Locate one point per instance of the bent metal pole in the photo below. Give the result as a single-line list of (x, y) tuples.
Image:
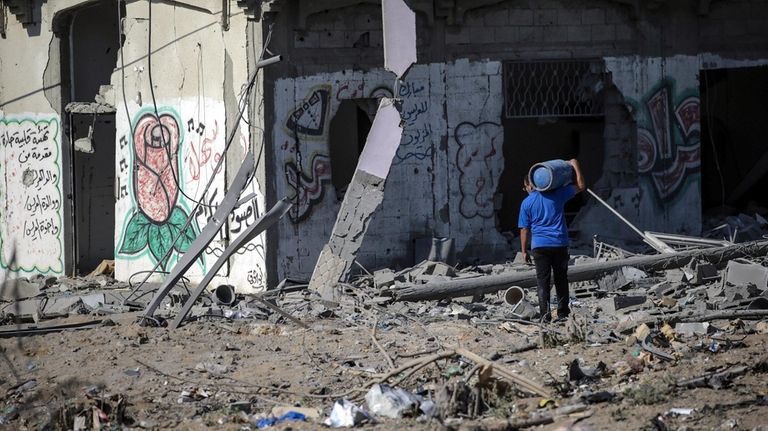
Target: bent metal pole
[(493, 283)]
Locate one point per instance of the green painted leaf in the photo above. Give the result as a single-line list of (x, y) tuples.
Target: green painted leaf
[(176, 221), (136, 234), (160, 237)]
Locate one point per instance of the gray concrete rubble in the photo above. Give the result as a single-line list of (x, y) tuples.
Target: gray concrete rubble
[(627, 329)]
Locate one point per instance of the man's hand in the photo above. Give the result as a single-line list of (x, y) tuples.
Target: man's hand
[(526, 257), (580, 184)]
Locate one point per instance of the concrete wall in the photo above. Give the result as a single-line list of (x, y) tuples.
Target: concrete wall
[(32, 204), (444, 184), (446, 174), (443, 178), (198, 73)]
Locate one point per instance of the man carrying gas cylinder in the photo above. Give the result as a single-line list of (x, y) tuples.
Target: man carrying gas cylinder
[(542, 219)]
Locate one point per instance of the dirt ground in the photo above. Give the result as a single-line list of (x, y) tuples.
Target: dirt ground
[(233, 371)]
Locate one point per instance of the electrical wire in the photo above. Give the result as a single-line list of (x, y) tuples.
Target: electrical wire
[(167, 147), (121, 29), (711, 134), (241, 108)]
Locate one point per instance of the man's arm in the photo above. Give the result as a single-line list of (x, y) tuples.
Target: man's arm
[(525, 233), (580, 185)]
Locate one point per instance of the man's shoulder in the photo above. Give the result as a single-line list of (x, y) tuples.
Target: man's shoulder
[(532, 196)]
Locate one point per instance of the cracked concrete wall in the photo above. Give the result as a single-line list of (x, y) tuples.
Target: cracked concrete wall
[(33, 215), (452, 125), (199, 73), (430, 188)]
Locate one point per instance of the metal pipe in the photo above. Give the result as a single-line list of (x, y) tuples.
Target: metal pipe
[(267, 62), (72, 55), (657, 244)]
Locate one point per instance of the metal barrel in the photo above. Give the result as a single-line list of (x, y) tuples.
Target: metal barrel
[(550, 175)]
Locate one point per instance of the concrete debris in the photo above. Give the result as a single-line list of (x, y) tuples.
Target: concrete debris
[(19, 288), (384, 278), (691, 329), (611, 305), (741, 273), (630, 326), (736, 228)]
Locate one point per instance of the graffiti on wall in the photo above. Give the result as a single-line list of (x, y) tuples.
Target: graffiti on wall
[(668, 137), (200, 153), (416, 144), (307, 121), (309, 189), (31, 219), (478, 144), (157, 217)]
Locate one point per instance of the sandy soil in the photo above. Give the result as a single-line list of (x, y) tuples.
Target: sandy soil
[(136, 375)]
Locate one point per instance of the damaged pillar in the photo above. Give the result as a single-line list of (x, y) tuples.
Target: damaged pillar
[(363, 197), (366, 191)]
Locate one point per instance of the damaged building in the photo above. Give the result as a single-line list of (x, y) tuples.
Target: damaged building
[(115, 115)]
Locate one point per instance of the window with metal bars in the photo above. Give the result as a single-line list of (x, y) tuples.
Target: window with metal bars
[(571, 88)]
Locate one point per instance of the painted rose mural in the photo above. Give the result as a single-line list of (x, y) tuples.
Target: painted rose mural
[(157, 217)]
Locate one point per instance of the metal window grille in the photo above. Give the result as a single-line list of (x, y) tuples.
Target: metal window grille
[(554, 89)]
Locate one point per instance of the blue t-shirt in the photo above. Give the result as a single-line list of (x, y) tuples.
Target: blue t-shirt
[(544, 214)]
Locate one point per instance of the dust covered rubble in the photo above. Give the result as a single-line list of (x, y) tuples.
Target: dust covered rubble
[(634, 344)]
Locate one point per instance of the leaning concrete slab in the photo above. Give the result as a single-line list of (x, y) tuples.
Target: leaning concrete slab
[(399, 36), (364, 196)]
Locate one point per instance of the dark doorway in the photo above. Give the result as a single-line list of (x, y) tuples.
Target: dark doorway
[(552, 110), (348, 131), (528, 141), (734, 156), (91, 49)]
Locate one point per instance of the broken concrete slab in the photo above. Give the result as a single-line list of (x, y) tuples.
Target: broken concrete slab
[(741, 272), (19, 288), (384, 278), (363, 197), (662, 289), (705, 272), (612, 281), (616, 303), (691, 329)]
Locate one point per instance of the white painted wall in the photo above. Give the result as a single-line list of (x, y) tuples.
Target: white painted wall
[(188, 62), (31, 201)]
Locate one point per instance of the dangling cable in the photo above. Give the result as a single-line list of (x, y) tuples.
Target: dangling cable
[(248, 89)]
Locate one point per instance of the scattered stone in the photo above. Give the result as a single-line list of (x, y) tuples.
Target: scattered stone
[(384, 278), (691, 329), (611, 305), (742, 273)]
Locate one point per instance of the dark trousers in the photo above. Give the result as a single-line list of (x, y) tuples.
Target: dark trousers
[(552, 261)]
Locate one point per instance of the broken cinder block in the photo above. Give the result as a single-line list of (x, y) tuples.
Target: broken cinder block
[(611, 305), (383, 278), (612, 281), (705, 272), (740, 272), (691, 329)]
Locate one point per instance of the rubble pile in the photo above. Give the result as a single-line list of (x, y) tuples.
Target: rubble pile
[(661, 346)]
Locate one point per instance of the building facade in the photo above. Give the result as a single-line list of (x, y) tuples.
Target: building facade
[(660, 101)]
